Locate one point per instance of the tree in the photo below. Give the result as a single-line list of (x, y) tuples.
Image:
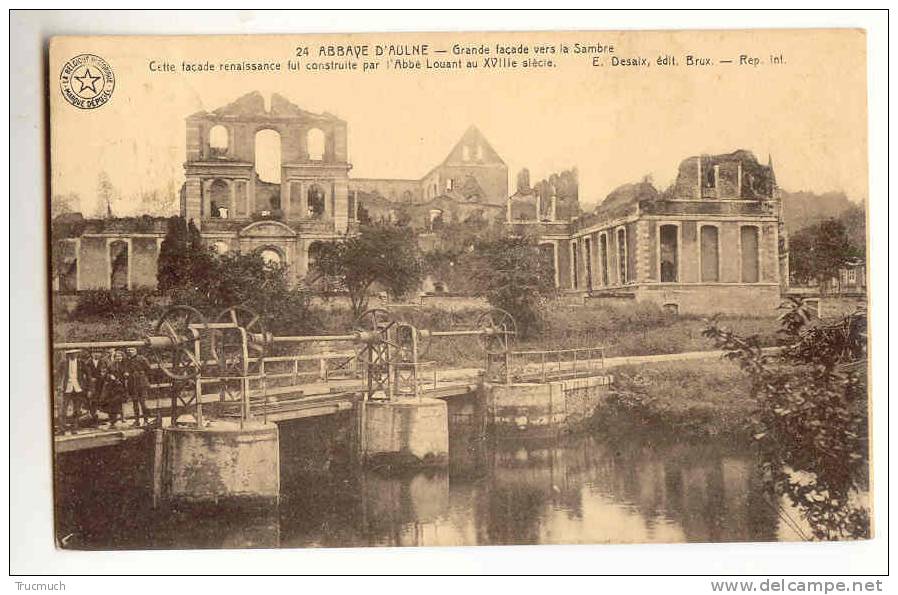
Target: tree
[(105, 195), (523, 181), (819, 251), (810, 419), (514, 275), (64, 204), (172, 270), (381, 253)]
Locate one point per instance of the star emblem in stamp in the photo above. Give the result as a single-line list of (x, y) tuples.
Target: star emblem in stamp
[(87, 81)]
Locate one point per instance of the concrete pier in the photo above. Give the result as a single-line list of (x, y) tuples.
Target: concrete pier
[(542, 409), (220, 464), (405, 433)]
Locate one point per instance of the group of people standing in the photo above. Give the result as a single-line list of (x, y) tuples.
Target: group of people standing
[(101, 382)]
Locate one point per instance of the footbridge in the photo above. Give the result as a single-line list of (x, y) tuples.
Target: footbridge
[(217, 387)]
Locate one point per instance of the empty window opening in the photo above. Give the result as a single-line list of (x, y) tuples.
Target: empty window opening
[(466, 153), (218, 141), (587, 255), (479, 152), (710, 254), (268, 156), (219, 199), (316, 201), (622, 255), (575, 264), (315, 249), (603, 257), (449, 184), (436, 219), (750, 265), (669, 253), (118, 261), (315, 144), (271, 257)]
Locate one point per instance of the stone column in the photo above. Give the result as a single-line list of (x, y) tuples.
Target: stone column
[(405, 432), (221, 464)]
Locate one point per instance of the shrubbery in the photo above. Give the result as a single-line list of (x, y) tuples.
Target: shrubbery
[(113, 303)]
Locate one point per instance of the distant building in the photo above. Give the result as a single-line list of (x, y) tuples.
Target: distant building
[(714, 242), (471, 180)]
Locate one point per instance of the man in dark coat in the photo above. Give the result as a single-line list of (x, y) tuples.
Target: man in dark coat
[(138, 384), (72, 381), (115, 388), (96, 369)]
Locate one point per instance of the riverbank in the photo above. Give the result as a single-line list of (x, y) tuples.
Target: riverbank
[(678, 401)]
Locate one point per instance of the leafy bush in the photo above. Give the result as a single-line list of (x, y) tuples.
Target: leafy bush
[(811, 419), (113, 303)]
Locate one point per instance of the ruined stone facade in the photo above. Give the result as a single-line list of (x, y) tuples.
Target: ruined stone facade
[(714, 242), (280, 209), (267, 179), (472, 179)]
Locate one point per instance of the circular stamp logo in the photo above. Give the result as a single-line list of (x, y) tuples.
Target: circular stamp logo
[(87, 81)]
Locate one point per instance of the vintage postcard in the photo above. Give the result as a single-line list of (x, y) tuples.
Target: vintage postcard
[(445, 289)]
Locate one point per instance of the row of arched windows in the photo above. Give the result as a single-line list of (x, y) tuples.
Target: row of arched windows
[(220, 141)]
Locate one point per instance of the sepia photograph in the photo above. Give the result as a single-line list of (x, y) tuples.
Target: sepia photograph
[(458, 288)]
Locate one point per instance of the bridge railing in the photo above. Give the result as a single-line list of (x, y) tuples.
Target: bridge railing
[(552, 364)]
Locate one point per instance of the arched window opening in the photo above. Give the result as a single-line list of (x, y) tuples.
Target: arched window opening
[(436, 219), (219, 199), (268, 156), (271, 257), (670, 265), (603, 257), (118, 261), (479, 152), (218, 141), (316, 201), (466, 153), (315, 249), (315, 144)]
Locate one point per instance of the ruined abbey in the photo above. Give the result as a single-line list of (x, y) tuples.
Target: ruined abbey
[(713, 241)]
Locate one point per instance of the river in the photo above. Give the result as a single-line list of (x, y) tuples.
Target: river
[(573, 489)]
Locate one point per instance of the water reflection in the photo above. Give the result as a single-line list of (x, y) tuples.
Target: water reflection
[(570, 490), (579, 490)]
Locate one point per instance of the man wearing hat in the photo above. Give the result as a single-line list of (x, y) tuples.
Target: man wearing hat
[(72, 381), (138, 383)]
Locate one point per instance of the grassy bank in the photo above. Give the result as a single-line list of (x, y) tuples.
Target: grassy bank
[(637, 329), (678, 401)]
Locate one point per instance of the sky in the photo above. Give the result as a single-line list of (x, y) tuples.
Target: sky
[(615, 124)]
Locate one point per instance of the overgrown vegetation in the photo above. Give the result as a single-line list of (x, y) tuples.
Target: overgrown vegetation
[(682, 401), (817, 252), (810, 417), (384, 254)]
